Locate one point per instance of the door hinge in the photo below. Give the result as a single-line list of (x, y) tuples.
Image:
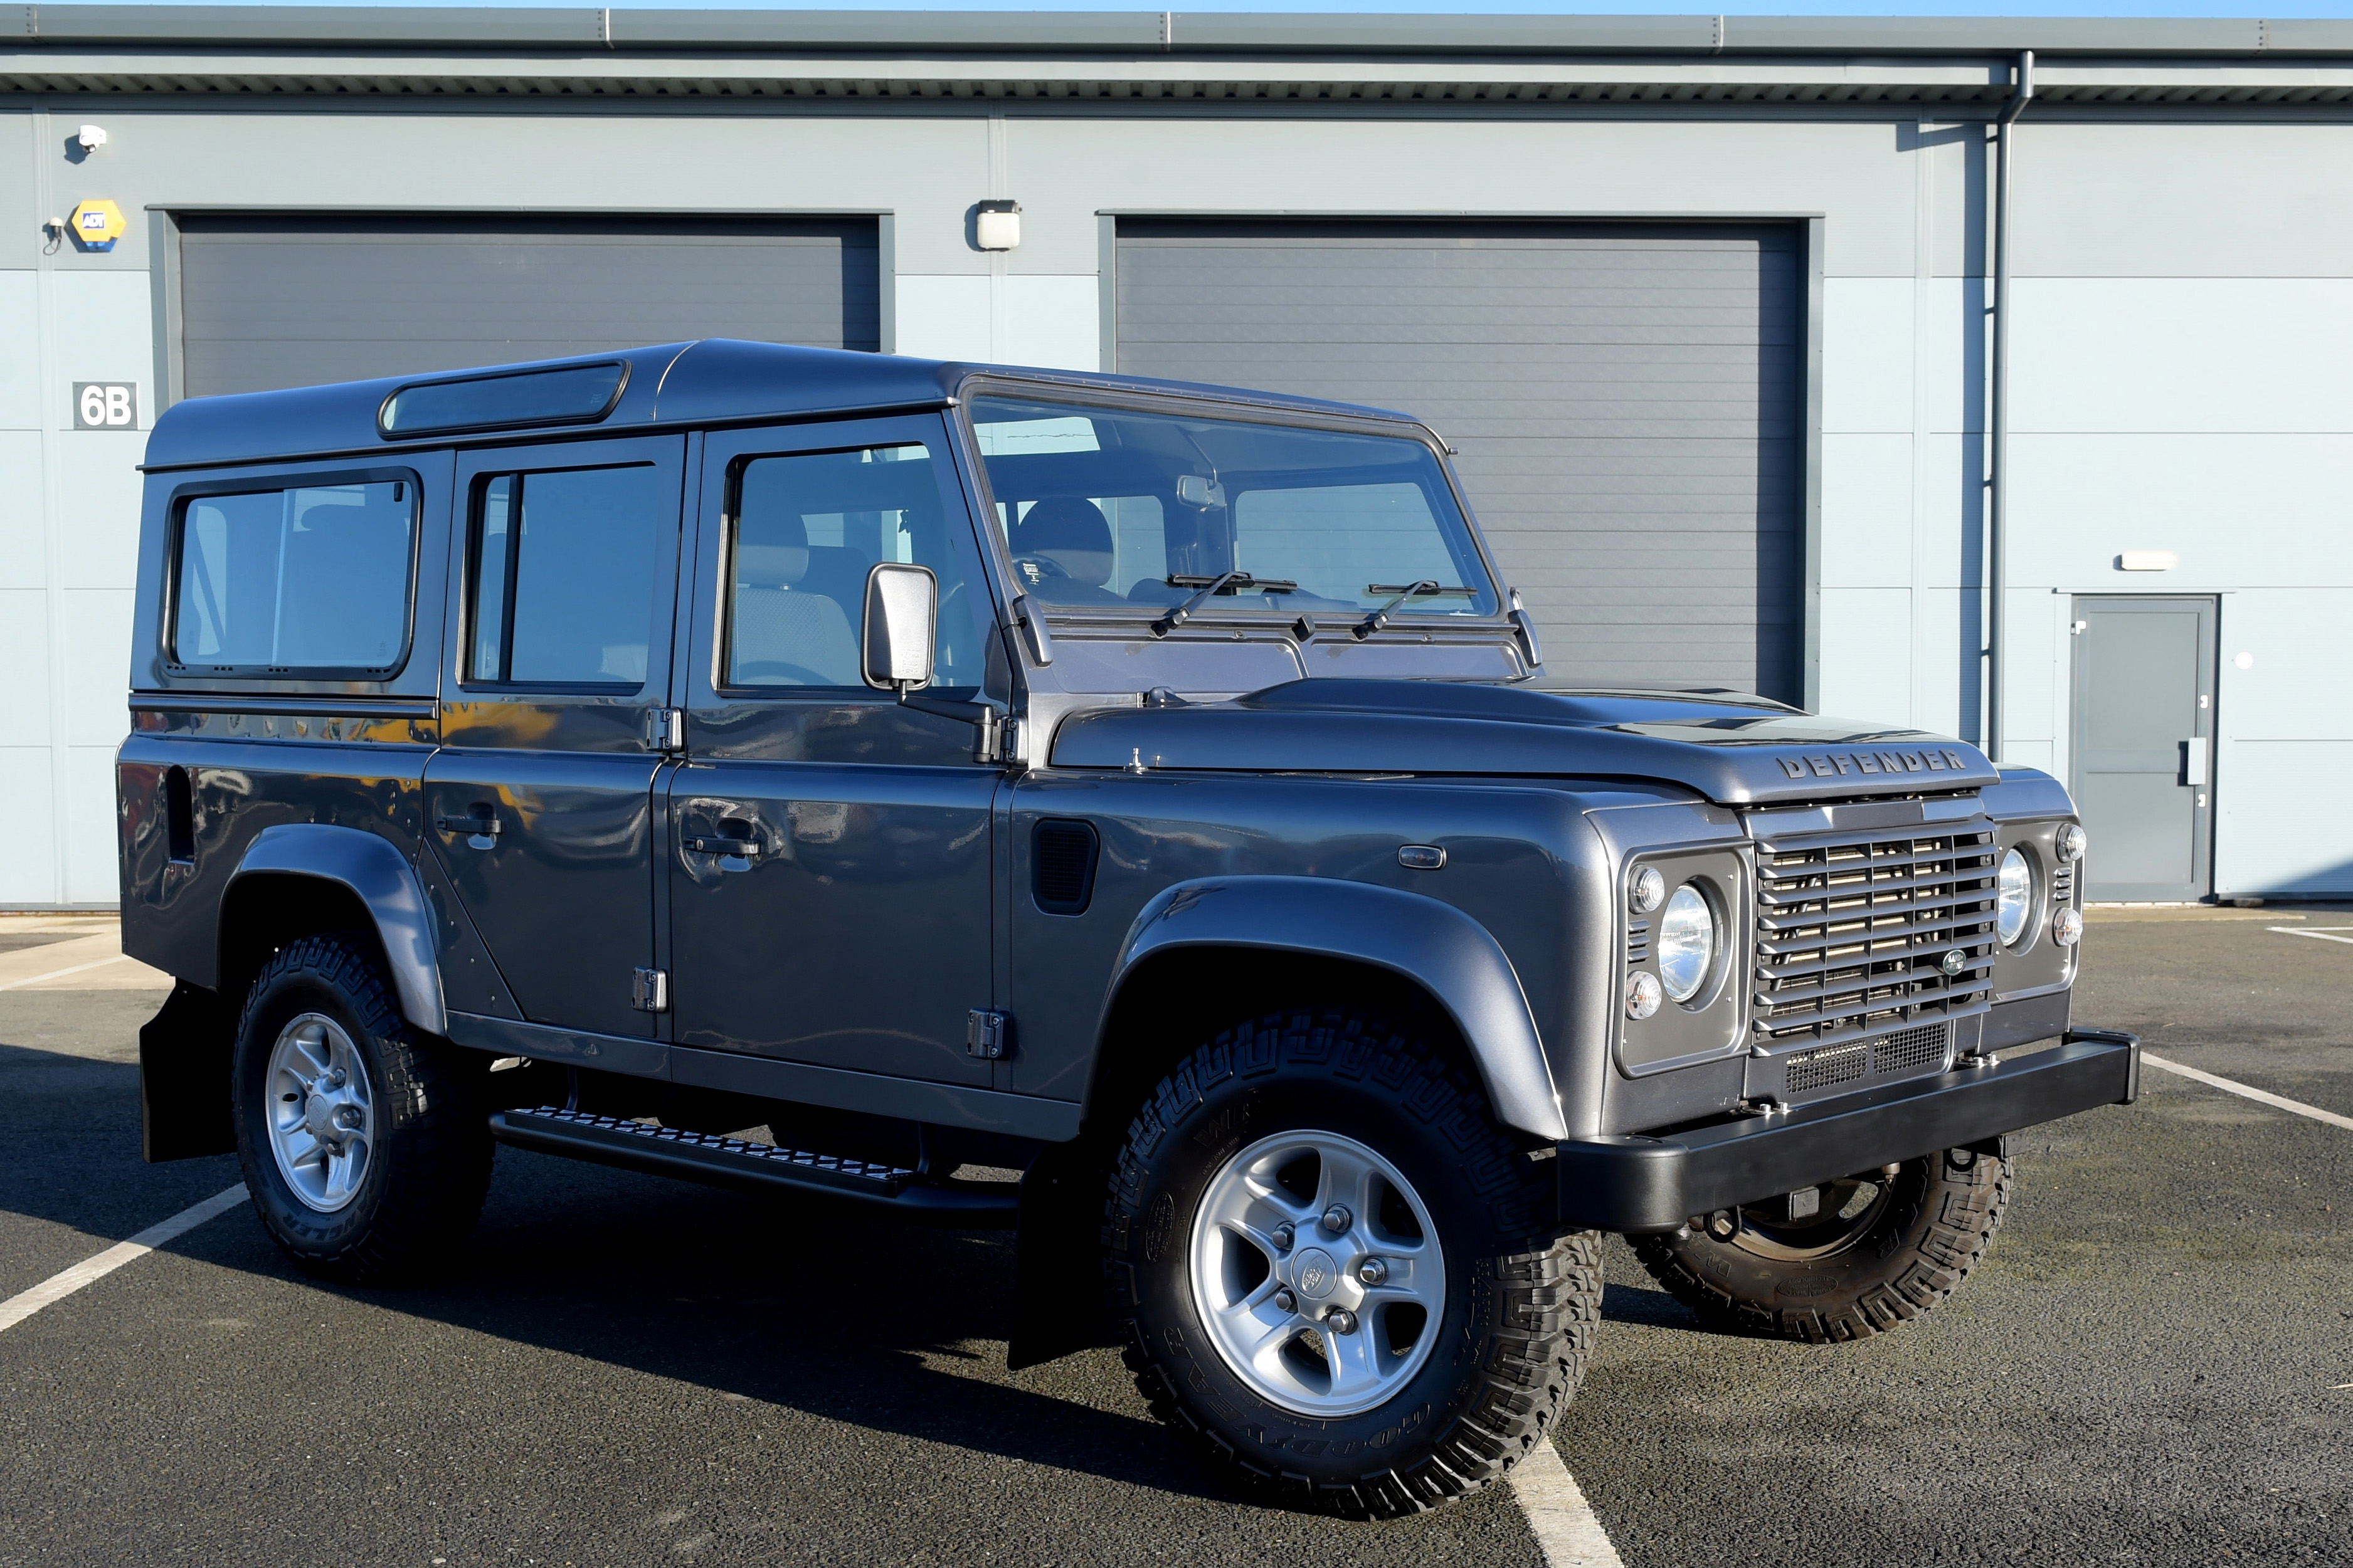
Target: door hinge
[(649, 990), (988, 1034), (666, 729)]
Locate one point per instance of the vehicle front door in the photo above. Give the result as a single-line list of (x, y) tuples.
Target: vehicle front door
[(830, 865), (538, 807)]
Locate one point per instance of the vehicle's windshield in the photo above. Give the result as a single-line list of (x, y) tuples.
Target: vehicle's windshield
[(1112, 507)]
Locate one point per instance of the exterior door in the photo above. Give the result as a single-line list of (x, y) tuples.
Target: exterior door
[(540, 805), (2142, 747), (830, 847)]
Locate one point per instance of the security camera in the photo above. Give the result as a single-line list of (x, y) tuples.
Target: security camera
[(90, 138)]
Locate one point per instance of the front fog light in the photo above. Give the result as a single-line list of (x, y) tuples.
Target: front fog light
[(2014, 899), (2066, 927), (1686, 943), (1643, 995)]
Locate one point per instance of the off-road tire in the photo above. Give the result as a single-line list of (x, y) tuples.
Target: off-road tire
[(1942, 1212), (430, 1166), (1521, 1303)]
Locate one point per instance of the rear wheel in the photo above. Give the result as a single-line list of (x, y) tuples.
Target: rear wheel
[(365, 1145), (1844, 1260), (1336, 1273)]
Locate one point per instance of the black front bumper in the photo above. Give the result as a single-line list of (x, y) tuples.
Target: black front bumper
[(1655, 1183)]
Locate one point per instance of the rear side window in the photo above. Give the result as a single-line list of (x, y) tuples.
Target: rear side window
[(563, 572), (309, 579)]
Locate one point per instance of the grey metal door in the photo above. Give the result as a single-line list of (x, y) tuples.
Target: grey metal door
[(270, 301), (2143, 744), (830, 852), (539, 804), (1627, 399)]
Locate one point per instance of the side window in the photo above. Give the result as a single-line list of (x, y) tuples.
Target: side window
[(313, 578), (804, 532), (564, 567)]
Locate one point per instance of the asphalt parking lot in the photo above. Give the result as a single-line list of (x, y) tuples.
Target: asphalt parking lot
[(2148, 1369)]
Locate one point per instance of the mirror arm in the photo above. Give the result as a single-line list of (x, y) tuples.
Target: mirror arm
[(988, 718)]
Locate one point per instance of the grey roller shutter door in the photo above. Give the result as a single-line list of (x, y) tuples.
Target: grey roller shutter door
[(1626, 400), (268, 301)]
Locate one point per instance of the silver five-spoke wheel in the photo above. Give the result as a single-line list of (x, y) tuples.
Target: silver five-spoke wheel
[(322, 1112), (1318, 1273)]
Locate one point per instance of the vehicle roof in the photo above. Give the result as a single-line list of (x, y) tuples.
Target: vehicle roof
[(711, 380)]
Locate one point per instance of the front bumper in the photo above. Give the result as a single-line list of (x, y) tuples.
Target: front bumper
[(1655, 1183)]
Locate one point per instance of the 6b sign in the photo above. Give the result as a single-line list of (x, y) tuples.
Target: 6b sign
[(105, 406)]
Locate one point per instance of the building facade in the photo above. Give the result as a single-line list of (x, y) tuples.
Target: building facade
[(1705, 305)]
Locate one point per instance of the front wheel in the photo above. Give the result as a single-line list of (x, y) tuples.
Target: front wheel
[(366, 1146), (1845, 1260), (1336, 1272)]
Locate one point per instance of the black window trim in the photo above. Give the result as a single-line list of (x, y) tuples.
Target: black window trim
[(941, 450), (279, 481), (478, 487)]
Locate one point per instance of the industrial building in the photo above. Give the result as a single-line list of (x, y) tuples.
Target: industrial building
[(1706, 305)]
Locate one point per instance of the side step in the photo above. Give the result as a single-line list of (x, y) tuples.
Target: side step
[(757, 1167)]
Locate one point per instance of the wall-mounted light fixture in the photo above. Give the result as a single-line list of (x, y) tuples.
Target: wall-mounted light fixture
[(996, 226), (2147, 561)]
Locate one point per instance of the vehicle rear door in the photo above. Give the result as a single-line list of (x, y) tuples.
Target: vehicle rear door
[(539, 808)]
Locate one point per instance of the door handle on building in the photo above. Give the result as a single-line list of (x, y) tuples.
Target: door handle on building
[(2193, 762)]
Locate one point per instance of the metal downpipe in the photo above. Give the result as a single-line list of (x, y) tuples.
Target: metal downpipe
[(1997, 461)]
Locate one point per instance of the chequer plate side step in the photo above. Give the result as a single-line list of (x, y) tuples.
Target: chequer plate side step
[(754, 1167)]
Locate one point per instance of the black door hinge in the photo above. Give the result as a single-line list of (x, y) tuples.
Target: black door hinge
[(988, 1034), (649, 990)]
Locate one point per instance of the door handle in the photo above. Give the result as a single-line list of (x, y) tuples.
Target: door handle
[(2193, 762), (716, 844), (480, 830)]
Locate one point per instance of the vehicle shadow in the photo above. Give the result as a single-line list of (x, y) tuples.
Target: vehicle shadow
[(1653, 1310), (807, 1306)]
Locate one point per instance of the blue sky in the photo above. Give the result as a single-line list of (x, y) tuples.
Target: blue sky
[(2279, 8)]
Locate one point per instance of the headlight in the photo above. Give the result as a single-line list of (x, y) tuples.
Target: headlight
[(1686, 943), (2015, 902)]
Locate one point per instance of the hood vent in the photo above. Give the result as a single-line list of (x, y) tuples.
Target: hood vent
[(1062, 864)]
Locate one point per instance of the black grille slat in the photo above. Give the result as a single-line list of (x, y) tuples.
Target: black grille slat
[(1853, 930), (1062, 866)]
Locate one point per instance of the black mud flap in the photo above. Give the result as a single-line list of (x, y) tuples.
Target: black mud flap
[(183, 1089), (1058, 1291)]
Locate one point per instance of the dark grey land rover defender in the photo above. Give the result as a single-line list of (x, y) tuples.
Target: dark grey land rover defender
[(851, 777)]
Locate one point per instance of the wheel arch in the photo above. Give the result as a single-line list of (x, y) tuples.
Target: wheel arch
[(1278, 940), (297, 878)]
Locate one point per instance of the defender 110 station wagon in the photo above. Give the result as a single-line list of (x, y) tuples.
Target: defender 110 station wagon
[(861, 778)]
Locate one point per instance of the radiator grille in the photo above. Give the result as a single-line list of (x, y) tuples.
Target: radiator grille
[(1853, 933)]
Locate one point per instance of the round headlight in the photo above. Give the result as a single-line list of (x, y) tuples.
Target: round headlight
[(2014, 902), (1686, 943)]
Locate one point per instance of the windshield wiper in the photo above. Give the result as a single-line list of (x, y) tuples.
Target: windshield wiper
[(1224, 583), (1428, 588)]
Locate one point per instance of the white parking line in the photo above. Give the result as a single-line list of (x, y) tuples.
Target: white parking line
[(57, 1287), (2281, 1102), (59, 974), (1557, 1513), (2317, 933)]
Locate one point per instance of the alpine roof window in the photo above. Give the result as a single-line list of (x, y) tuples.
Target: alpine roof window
[(573, 394), (1122, 509), (313, 579)]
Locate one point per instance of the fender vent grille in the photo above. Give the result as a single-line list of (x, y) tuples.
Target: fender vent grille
[(1062, 866)]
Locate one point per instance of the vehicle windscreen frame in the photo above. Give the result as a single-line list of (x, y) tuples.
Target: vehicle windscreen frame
[(1228, 611)]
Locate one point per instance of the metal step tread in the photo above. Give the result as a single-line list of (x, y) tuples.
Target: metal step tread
[(886, 1179)]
